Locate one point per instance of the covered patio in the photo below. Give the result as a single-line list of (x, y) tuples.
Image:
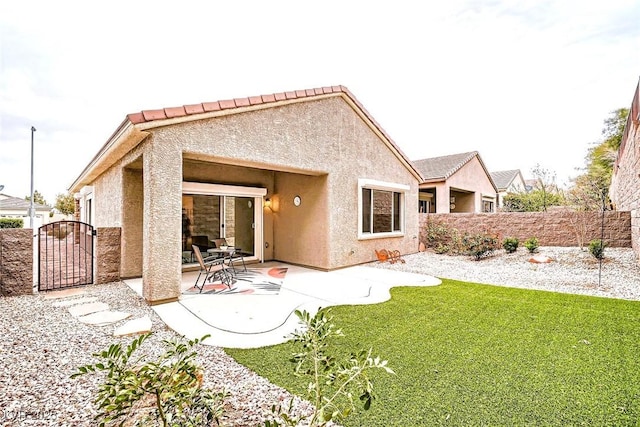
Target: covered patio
[(250, 320)]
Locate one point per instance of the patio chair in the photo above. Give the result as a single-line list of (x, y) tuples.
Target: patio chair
[(384, 256), (212, 268), (395, 255)]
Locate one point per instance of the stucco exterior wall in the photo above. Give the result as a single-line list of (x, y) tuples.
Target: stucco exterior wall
[(316, 138), (469, 178), (316, 149), (625, 183)]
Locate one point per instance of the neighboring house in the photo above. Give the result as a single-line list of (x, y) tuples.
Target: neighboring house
[(305, 177), (531, 184), (15, 207), (625, 182), (456, 183), (506, 182)]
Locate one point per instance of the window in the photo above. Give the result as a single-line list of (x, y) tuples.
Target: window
[(487, 206), (381, 208)]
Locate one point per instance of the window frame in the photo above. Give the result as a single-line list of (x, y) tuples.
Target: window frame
[(401, 189)]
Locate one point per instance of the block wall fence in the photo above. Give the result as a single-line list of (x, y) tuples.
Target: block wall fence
[(17, 269), (553, 228)]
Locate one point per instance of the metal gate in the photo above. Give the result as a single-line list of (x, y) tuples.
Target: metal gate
[(65, 255)]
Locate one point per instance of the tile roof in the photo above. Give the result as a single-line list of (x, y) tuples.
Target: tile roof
[(442, 167), (206, 107), (16, 203), (503, 179)]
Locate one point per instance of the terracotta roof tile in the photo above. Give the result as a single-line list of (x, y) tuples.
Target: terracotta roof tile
[(175, 112), (150, 115), (227, 103), (211, 106), (136, 118), (242, 102), (194, 109)]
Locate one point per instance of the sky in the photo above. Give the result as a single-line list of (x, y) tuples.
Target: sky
[(524, 83)]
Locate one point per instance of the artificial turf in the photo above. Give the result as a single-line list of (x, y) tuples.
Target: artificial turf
[(470, 354)]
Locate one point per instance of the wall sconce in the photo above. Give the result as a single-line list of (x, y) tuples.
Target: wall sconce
[(267, 203)]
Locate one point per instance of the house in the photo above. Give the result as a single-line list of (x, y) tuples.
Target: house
[(304, 177), (510, 181), (456, 183), (625, 182), (15, 207)]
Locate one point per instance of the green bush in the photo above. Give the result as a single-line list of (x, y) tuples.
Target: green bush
[(11, 223), (596, 248), (479, 245), (510, 244), (164, 392), (438, 234), (531, 244)]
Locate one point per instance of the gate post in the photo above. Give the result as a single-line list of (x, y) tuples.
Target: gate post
[(108, 250), (16, 261)]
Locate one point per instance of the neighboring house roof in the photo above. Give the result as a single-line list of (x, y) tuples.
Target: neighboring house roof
[(133, 129), (10, 203), (441, 168), (503, 179), (530, 184)]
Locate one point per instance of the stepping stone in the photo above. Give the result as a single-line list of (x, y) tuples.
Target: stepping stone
[(103, 318), (76, 301), (64, 293), (141, 325), (81, 310)]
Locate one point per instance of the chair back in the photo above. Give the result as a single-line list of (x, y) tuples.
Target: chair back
[(196, 251)]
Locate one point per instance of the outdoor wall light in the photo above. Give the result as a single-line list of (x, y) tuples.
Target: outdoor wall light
[(267, 203)]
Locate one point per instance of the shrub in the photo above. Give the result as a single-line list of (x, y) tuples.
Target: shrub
[(510, 244), (60, 232), (479, 245), (596, 248), (11, 223), (438, 234), (531, 244), (332, 384), (163, 392)]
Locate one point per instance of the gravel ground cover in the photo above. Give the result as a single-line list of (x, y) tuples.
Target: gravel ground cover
[(42, 345), (571, 270)]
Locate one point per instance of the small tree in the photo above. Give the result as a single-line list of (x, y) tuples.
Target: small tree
[(65, 203), (332, 384), (37, 198)]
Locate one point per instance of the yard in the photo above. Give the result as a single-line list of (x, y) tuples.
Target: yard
[(471, 354)]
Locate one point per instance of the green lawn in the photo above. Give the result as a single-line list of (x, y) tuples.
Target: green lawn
[(469, 354)]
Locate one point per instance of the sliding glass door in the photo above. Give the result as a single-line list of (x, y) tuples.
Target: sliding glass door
[(213, 215)]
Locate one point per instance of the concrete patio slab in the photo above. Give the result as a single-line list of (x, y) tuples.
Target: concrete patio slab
[(250, 321)]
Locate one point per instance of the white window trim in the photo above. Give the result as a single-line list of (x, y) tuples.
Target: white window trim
[(373, 184)]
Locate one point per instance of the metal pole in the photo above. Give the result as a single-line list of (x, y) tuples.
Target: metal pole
[(33, 129)]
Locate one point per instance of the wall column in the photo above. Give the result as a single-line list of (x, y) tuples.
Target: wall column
[(162, 239)]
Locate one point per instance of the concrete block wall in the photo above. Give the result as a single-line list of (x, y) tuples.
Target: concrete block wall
[(625, 183), (16, 261), (557, 228), (108, 255)]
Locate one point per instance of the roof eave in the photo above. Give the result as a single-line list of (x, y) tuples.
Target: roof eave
[(124, 139)]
